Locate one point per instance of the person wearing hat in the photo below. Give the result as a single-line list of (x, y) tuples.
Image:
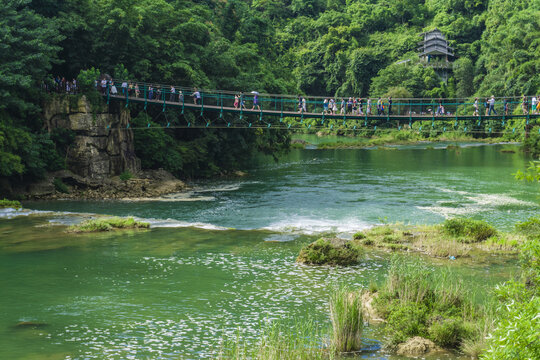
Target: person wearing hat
[(492, 105)]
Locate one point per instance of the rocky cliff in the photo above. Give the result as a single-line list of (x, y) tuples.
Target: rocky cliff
[(103, 145)]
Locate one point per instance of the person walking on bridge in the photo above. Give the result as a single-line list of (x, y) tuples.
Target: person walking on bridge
[(256, 102), (325, 106), (525, 105), (476, 113), (506, 107), (380, 109), (172, 97), (534, 105), (196, 97), (368, 109), (492, 105)]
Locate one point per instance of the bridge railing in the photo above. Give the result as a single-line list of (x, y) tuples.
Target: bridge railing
[(429, 107)]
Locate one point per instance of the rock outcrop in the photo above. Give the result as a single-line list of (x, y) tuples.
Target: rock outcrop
[(103, 145)]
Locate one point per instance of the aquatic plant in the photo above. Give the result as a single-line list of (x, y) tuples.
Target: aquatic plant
[(347, 320), (108, 224), (416, 300), (471, 230), (330, 252), (436, 241), (14, 204), (279, 341)]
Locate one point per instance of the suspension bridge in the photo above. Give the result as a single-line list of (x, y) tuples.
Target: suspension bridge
[(404, 112)]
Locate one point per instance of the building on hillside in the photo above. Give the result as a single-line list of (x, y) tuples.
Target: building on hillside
[(436, 53)]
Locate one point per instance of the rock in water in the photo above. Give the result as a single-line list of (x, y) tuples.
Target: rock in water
[(417, 346), (29, 325)]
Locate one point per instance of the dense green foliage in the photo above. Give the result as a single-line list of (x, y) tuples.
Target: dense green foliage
[(316, 47), (516, 333), (5, 203), (27, 52)]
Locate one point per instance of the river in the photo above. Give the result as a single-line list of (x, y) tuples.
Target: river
[(219, 261)]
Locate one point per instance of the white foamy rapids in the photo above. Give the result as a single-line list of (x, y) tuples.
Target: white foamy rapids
[(10, 213), (171, 223), (308, 226), (475, 203)]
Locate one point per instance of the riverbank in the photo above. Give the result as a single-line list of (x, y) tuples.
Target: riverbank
[(389, 139), (65, 185)]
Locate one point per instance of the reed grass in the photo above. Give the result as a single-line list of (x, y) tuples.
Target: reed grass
[(280, 341), (347, 320)]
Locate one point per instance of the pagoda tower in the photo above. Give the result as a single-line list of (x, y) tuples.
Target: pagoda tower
[(436, 53)]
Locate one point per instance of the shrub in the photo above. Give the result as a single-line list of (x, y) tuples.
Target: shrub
[(330, 252), (368, 242), (405, 321), (531, 227), (359, 236), (60, 186), (449, 332), (476, 230), (126, 175), (347, 321), (14, 204)]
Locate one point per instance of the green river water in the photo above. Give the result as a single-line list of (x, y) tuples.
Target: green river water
[(219, 261)]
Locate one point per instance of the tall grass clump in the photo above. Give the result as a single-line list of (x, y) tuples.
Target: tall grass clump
[(416, 300), (108, 224), (280, 341), (347, 321), (470, 230)]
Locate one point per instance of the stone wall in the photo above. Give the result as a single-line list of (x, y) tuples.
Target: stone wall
[(103, 145)]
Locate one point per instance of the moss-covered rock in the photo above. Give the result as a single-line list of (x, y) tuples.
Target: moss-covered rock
[(108, 224), (330, 252)]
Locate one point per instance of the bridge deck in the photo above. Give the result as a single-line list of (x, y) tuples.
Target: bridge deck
[(315, 115)]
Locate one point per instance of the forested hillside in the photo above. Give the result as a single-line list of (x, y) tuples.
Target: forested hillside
[(315, 47)]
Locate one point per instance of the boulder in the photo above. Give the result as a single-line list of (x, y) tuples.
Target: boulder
[(417, 346)]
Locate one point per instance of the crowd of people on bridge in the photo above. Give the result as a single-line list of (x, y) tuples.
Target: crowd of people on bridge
[(330, 106)]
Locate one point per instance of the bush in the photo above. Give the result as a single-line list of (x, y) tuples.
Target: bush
[(13, 204), (531, 227), (405, 321), (476, 230), (449, 333), (126, 175), (330, 252), (60, 186), (359, 236)]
